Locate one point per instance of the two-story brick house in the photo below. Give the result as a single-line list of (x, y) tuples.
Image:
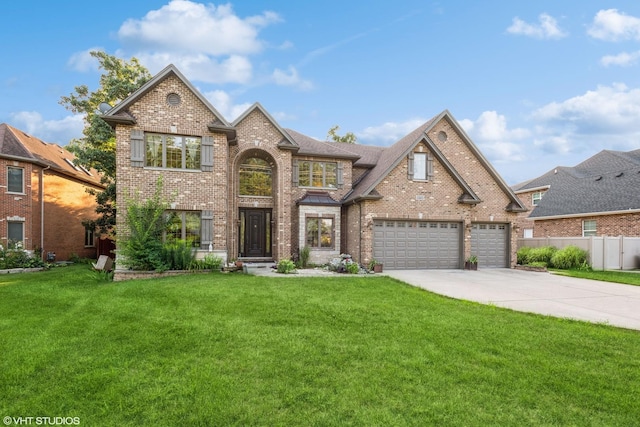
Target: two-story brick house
[(43, 197), (253, 190)]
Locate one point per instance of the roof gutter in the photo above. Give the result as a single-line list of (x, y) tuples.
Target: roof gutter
[(585, 214)]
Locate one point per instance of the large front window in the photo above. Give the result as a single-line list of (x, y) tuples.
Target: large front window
[(183, 225), (319, 232), (15, 180), (173, 151), (255, 178), (317, 174)]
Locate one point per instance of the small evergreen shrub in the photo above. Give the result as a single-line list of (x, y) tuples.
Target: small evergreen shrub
[(305, 253), (286, 266), (569, 257), (353, 268)]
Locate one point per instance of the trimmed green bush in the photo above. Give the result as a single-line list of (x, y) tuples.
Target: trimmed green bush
[(523, 255), (569, 257), (178, 255), (543, 254), (286, 266)]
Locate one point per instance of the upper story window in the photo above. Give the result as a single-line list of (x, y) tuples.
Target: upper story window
[(317, 174), (588, 228), (420, 166), (15, 180), (536, 197), (256, 177), (172, 151)]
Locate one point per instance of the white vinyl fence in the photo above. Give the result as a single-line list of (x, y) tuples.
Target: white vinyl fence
[(605, 253)]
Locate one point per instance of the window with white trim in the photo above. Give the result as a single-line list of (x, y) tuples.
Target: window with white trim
[(536, 197), (15, 235), (588, 228), (319, 232), (15, 180), (89, 237), (172, 151)]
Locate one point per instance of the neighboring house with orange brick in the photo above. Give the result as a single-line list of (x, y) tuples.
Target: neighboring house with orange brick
[(43, 197), (255, 191), (598, 197)]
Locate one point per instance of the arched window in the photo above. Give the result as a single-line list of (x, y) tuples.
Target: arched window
[(256, 178)]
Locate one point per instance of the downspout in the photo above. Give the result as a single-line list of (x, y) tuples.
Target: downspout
[(42, 254), (360, 232)]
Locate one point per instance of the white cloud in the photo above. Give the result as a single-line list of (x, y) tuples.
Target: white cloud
[(614, 108), (187, 27), (83, 61), (291, 78), (389, 132), (623, 59), (491, 134), (202, 68), (546, 28), (223, 102), (611, 25), (55, 131)]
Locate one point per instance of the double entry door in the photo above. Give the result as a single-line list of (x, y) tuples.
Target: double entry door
[(255, 233)]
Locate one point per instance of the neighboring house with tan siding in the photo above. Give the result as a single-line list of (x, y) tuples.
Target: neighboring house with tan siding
[(43, 197), (598, 197), (255, 191)]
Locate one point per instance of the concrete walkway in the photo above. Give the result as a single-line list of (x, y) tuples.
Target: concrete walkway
[(544, 293)]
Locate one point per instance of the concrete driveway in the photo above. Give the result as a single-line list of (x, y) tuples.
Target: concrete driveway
[(534, 292)]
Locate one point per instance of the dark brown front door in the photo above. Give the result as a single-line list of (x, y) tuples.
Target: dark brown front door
[(255, 233)]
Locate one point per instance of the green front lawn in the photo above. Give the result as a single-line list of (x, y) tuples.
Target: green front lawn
[(217, 349), (628, 278)]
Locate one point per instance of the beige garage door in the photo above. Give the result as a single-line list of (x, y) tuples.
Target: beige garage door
[(417, 244), (490, 243)]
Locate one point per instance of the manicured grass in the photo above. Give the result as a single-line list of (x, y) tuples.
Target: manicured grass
[(628, 278), (219, 349)]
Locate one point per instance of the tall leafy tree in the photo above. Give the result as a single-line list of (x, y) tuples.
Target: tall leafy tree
[(347, 138), (97, 148)]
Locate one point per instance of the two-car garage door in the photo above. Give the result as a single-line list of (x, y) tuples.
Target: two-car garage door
[(417, 244), (431, 244)]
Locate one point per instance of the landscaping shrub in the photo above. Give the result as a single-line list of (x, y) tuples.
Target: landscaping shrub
[(522, 255), (286, 266), (543, 254), (353, 268), (141, 241), (569, 257), (304, 256), (209, 262), (178, 255), (18, 258)]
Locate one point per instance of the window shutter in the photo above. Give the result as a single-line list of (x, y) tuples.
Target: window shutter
[(206, 229), (410, 168), (294, 173), (206, 162), (137, 148), (339, 179), (429, 167)]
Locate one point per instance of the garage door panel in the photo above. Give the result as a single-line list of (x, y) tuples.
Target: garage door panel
[(417, 244), (489, 242)]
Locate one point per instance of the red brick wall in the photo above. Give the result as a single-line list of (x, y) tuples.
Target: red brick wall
[(627, 225), (440, 197), (192, 190), (18, 205)]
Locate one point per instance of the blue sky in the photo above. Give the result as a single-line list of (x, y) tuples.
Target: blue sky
[(535, 84)]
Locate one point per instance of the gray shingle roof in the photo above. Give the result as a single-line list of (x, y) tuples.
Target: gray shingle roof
[(364, 155), (606, 182)]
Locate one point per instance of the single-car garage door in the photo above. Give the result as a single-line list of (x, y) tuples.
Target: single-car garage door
[(417, 244), (489, 242)]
